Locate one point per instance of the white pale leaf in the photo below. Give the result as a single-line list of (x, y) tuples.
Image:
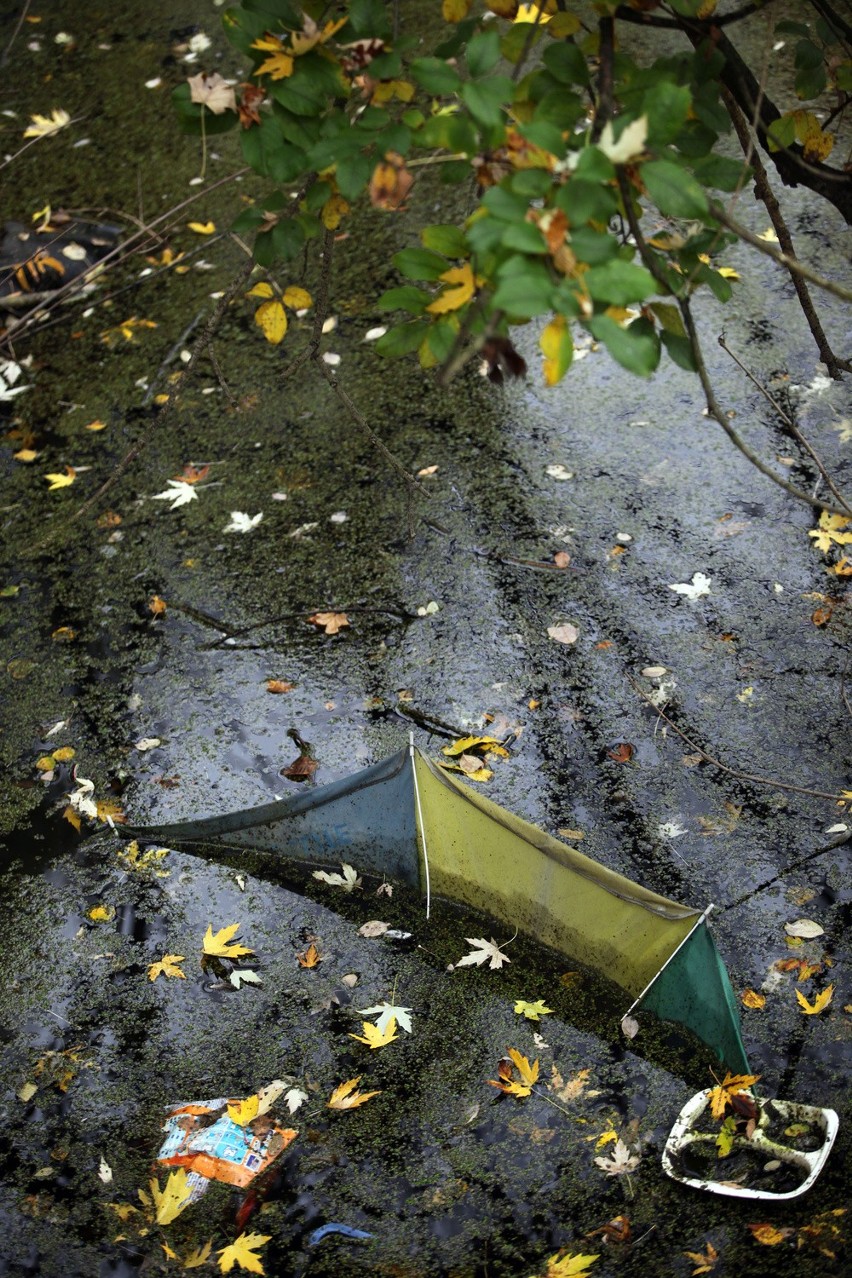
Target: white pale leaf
[(700, 585), (147, 743), (483, 950), (294, 1098), (244, 976), (105, 1171), (179, 493), (804, 928), (242, 523), (349, 880), (386, 1011), (629, 145)]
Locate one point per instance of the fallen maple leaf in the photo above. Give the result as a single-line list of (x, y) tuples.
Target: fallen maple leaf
[(483, 950), (179, 492), (700, 585), (751, 998), (198, 1257), (575, 1086), (768, 1234), (43, 125), (346, 1097), (331, 622), (528, 1074), (309, 957), (565, 1265), (156, 606), (622, 1162), (819, 1004), (723, 1093), (242, 523), (243, 1252), (532, 1011), (170, 1201), (242, 1112), (704, 1261), (212, 91), (374, 1037), (830, 531), (61, 479), (219, 945), (387, 1013), (349, 880), (279, 685), (564, 633), (167, 966)]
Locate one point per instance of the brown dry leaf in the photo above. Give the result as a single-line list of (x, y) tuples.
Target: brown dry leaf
[(212, 91), (331, 622), (279, 685), (390, 183), (751, 998), (575, 1086), (309, 957), (616, 1230), (374, 927), (301, 769), (156, 606), (622, 753)]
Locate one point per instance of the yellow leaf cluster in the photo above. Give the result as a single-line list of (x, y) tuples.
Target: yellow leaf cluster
[(271, 316), (704, 1261), (346, 1097), (374, 1037)]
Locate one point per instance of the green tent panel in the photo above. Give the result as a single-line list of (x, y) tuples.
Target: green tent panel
[(408, 819)]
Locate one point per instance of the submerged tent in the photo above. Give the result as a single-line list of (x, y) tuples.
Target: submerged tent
[(408, 819)]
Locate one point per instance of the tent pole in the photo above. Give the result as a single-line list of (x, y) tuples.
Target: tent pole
[(690, 933), (420, 820)]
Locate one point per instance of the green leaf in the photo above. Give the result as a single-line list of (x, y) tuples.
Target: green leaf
[(680, 350), (458, 38), (810, 82), (721, 173), (487, 99), (619, 283), (674, 191), (586, 201), (546, 135), (501, 203), (559, 108), (526, 291), (248, 220), (435, 76), (483, 53), (593, 247), (369, 18), (268, 154), (402, 340), (420, 264), (594, 166), (455, 171), (287, 238), (449, 240), (636, 348), (782, 132), (352, 175), (405, 298), (524, 238), (666, 105), (514, 42), (530, 183), (441, 339), (566, 63), (670, 318), (696, 140)]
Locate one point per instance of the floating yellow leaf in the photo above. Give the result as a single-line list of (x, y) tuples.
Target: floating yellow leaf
[(170, 1201), (532, 1011), (220, 945), (110, 810), (243, 1252), (830, 531), (272, 319), (96, 426), (557, 346), (528, 1074), (167, 966), (43, 125), (59, 480), (732, 1085), (101, 913), (768, 1234), (195, 1259), (309, 957), (704, 1261), (346, 1097), (374, 1037), (460, 287), (243, 1111), (819, 1004), (565, 1265), (202, 228), (63, 634), (25, 455), (46, 763), (752, 999)]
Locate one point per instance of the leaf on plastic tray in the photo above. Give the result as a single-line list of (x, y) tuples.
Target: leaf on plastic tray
[(732, 1085)]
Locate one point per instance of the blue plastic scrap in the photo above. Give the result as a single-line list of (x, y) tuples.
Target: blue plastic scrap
[(331, 1228)]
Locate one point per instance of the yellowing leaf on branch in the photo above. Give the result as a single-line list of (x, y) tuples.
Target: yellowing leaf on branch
[(271, 318), (167, 966), (819, 1004), (243, 1252), (557, 346), (333, 211), (220, 945), (460, 289), (279, 65), (455, 10), (347, 1097), (390, 183)]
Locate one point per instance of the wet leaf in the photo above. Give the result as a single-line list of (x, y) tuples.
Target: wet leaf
[(346, 1097), (170, 1201), (831, 530), (819, 1004), (532, 1011), (279, 686), (198, 1256), (464, 745), (807, 929), (700, 585), (721, 1096), (156, 606), (388, 1012), (61, 479), (621, 1163), (374, 1037), (242, 1112), (575, 1086), (243, 1252), (219, 945), (309, 957), (167, 966), (44, 125), (564, 633), (373, 928), (483, 950), (566, 1265), (202, 228), (751, 998), (725, 1137), (622, 753), (769, 1235), (704, 1261), (242, 523), (244, 976), (527, 1072), (179, 493), (349, 880), (101, 913), (331, 622)]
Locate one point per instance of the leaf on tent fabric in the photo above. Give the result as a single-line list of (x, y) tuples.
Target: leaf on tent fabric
[(532, 1011), (819, 1004), (346, 1097), (483, 950), (243, 1252), (170, 1201), (349, 880), (704, 1261), (331, 622), (243, 1111), (220, 945), (723, 1093), (387, 1012), (167, 966), (622, 1161), (374, 1037)]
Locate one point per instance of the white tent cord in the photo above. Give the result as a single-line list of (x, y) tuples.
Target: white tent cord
[(420, 821)]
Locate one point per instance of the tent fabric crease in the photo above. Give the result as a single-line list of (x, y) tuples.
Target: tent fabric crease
[(407, 819)]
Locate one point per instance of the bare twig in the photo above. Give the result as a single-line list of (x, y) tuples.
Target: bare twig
[(723, 767), (791, 264), (21, 20)]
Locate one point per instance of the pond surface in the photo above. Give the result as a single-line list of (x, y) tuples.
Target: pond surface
[(448, 1176)]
